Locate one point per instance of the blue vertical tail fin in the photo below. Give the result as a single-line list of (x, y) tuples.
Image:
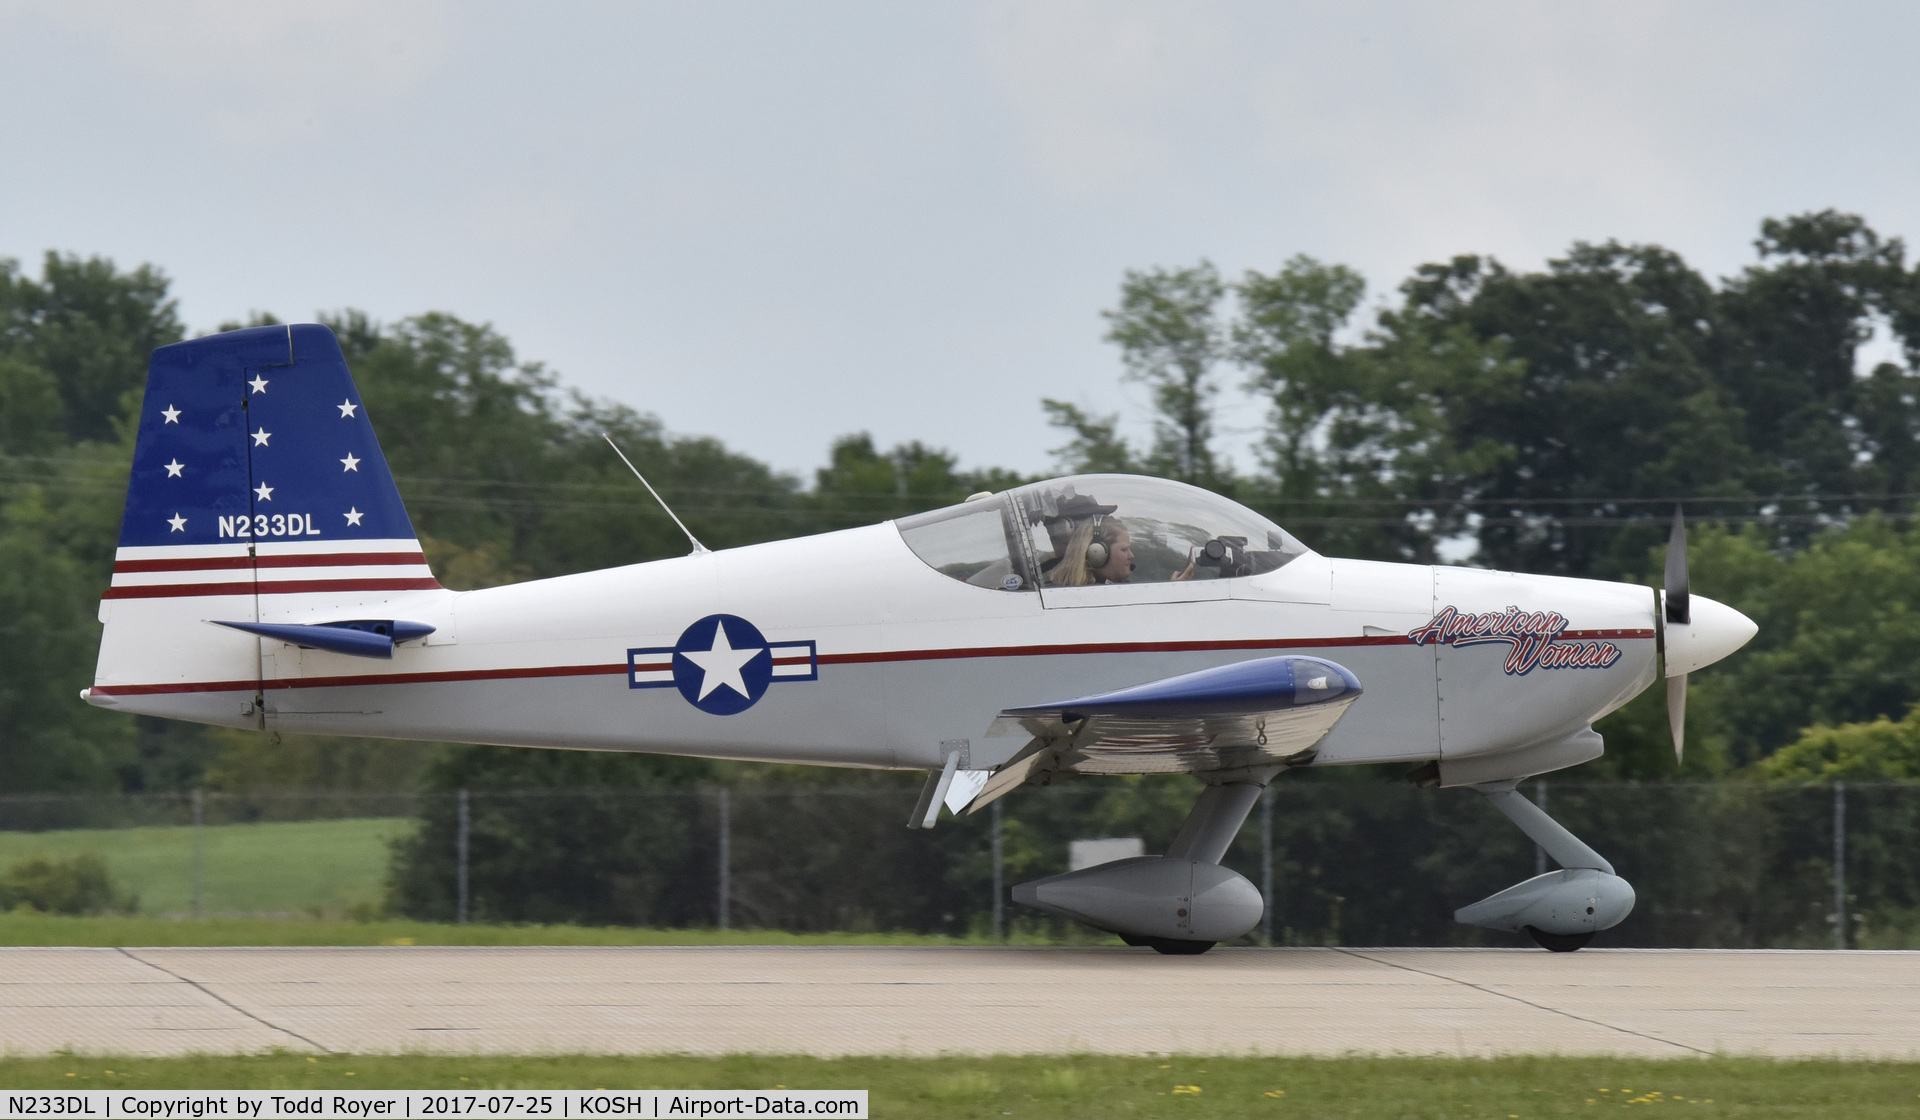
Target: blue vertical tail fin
[(258, 436), (258, 496)]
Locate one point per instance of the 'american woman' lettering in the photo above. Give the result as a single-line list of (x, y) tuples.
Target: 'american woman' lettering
[(1534, 638)]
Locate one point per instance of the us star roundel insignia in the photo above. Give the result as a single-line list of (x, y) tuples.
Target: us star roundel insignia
[(722, 664)]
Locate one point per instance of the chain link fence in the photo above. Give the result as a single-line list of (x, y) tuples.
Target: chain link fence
[(1340, 861)]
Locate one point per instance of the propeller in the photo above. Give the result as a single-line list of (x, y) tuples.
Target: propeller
[(1677, 714), (1679, 613)]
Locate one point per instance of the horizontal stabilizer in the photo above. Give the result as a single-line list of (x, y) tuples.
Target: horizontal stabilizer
[(355, 638)]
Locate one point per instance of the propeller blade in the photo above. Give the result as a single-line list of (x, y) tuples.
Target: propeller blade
[(1677, 713), (1679, 610)]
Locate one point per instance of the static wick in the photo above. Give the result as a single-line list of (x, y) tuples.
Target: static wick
[(698, 548)]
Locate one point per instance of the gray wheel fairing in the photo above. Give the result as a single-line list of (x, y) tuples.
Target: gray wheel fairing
[(1151, 897)]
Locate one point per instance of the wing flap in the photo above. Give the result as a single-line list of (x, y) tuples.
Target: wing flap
[(1012, 775)]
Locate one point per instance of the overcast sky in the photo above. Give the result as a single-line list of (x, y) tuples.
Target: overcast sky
[(778, 223)]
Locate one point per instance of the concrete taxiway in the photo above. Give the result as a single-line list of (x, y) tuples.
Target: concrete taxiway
[(924, 1001)]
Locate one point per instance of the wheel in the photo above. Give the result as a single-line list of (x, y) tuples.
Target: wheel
[(1174, 947), (1130, 939), (1558, 942)]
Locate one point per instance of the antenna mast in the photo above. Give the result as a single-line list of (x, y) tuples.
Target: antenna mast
[(698, 548)]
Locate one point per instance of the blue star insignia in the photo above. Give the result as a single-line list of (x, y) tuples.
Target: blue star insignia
[(722, 664)]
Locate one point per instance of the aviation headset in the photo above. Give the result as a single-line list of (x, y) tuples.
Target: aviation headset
[(1098, 551), (1098, 554)]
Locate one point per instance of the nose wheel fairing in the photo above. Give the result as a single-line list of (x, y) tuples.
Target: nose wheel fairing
[(1574, 902), (1561, 910)]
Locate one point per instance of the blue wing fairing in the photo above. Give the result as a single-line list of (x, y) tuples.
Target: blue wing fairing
[(1264, 684), (1271, 711)]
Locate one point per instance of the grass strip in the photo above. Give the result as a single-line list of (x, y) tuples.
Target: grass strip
[(270, 867), (1080, 1086)]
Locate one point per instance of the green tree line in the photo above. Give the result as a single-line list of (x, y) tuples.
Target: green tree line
[(1546, 420)]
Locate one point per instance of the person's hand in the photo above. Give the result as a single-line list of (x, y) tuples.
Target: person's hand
[(1186, 573)]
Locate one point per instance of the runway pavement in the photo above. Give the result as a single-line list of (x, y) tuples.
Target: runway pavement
[(924, 1001)]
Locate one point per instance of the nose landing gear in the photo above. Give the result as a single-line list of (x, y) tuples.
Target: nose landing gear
[(1560, 910)]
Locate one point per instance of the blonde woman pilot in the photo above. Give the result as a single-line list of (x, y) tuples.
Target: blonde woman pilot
[(1098, 550)]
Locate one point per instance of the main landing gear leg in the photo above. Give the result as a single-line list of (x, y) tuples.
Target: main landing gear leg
[(1560, 910), (1204, 837), (1181, 903)]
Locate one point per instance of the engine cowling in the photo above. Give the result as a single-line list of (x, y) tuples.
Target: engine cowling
[(1151, 897)]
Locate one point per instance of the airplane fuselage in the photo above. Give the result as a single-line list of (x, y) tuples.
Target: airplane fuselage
[(880, 659)]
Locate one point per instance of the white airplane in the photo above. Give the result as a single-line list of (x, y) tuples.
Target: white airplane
[(268, 577)]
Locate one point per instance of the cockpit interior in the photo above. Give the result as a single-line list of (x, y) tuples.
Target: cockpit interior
[(1094, 530)]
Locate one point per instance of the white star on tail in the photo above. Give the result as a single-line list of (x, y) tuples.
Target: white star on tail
[(346, 409), (352, 463), (261, 437), (173, 468), (172, 415), (259, 383), (264, 493), (353, 516), (178, 522), (722, 663)]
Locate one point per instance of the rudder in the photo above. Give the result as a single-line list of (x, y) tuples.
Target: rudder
[(257, 435), (258, 494)]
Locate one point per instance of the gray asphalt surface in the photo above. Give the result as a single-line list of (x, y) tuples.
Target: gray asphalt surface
[(924, 1001)]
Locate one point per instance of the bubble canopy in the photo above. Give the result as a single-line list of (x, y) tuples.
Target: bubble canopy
[(1095, 529)]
